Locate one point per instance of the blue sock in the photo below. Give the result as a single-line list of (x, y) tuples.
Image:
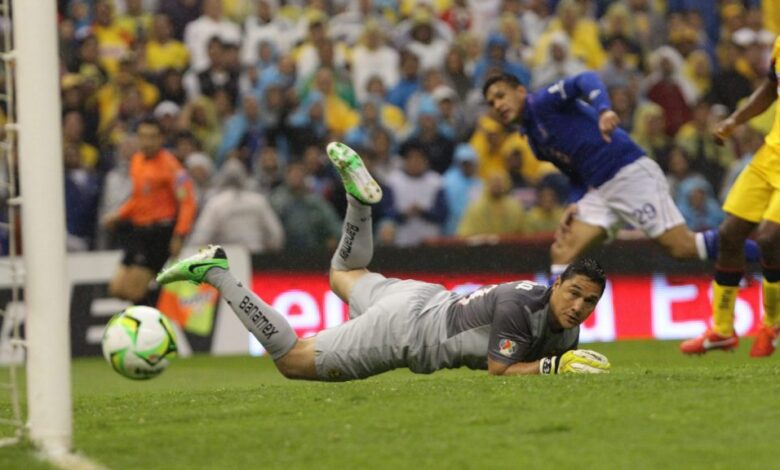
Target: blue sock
[(711, 237), (752, 251)]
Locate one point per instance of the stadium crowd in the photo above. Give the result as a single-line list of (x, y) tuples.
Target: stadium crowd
[(248, 93)]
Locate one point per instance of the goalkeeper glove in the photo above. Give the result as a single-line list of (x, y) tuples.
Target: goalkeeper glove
[(578, 361)]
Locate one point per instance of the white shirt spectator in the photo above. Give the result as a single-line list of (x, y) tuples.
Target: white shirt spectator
[(198, 33), (382, 61), (235, 215), (257, 30)]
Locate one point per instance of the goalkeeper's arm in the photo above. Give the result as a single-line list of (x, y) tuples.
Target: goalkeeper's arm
[(518, 368)]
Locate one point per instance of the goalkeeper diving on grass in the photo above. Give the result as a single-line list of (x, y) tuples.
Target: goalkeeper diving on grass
[(507, 329)]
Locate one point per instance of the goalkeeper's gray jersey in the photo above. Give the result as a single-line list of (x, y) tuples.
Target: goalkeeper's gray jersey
[(508, 322), (424, 327)]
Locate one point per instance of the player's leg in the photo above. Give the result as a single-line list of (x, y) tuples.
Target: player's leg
[(768, 238), (131, 283), (294, 358), (589, 228), (356, 247), (147, 250), (745, 205)]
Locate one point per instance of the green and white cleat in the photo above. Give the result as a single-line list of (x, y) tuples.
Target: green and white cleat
[(357, 180), (194, 268)]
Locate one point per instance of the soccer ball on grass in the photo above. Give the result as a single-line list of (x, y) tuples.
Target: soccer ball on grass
[(138, 341)]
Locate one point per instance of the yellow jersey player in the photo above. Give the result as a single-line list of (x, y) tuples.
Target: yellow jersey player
[(753, 203)]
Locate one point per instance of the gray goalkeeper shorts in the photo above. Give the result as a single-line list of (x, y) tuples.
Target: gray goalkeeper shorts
[(390, 322)]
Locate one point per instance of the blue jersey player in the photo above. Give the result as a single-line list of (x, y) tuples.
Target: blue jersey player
[(571, 125)]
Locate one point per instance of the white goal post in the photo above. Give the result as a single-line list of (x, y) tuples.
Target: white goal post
[(43, 226)]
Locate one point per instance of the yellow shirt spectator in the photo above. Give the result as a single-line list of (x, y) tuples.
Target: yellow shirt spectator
[(495, 212), (494, 145)]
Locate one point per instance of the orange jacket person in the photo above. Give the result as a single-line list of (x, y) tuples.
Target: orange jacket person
[(160, 212)]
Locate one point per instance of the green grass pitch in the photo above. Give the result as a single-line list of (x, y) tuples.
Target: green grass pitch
[(656, 409)]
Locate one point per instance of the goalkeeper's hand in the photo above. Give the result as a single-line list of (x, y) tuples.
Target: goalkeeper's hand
[(578, 361)]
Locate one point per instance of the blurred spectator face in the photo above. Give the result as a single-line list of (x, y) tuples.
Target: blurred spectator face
[(67, 30), (621, 98), (149, 139), (127, 147), (495, 139), (415, 162), (286, 66), (265, 52), (72, 127), (251, 108), (79, 10), (428, 124), (453, 63), (134, 7), (313, 159), (497, 184), (268, 160), (215, 52), (125, 75), (667, 67), (223, 103), (212, 8), (678, 163), (701, 115), (547, 199), (423, 33), (88, 52), (274, 98), (323, 81), (468, 167), (264, 11), (381, 144), (375, 86), (369, 114), (296, 177), (617, 50), (130, 104), (698, 199), (655, 124), (446, 108), (103, 14), (161, 28), (317, 112), (432, 79), (184, 146), (232, 57), (317, 32), (496, 53), (72, 97), (410, 65), (569, 13), (373, 37), (557, 52), (172, 81), (325, 53)]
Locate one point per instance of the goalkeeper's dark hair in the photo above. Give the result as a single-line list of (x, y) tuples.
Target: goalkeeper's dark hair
[(589, 268), (507, 78)]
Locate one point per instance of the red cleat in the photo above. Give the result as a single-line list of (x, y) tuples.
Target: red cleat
[(766, 342), (709, 341)]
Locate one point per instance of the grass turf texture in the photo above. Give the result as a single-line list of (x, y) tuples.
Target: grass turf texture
[(657, 409)]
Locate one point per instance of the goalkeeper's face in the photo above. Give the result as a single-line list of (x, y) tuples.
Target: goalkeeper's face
[(573, 300)]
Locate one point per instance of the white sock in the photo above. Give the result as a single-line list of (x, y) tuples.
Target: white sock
[(701, 247)]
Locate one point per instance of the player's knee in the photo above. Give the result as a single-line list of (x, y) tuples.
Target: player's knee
[(730, 240), (768, 241)]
